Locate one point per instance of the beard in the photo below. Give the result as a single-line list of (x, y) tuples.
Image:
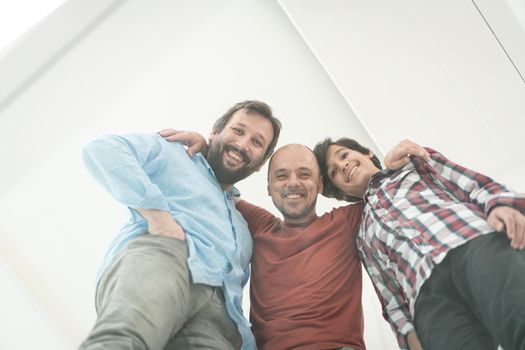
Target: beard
[(225, 175), (295, 214)]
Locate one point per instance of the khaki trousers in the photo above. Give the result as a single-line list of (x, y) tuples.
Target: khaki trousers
[(146, 300)]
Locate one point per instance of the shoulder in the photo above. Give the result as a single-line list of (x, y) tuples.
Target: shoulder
[(348, 210), (349, 214)]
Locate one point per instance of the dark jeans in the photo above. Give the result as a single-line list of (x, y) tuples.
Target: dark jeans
[(475, 298)]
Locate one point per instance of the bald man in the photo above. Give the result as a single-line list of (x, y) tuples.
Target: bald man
[(306, 275)]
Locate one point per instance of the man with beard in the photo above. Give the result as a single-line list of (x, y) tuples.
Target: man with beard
[(173, 277)]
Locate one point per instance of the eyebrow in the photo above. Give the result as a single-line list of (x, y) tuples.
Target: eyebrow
[(280, 171), (339, 151), (257, 134)]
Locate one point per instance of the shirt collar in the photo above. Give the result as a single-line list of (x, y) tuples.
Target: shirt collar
[(375, 182)]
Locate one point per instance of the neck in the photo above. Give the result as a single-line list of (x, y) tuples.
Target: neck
[(226, 187), (302, 221)]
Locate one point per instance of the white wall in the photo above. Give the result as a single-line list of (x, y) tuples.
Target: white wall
[(378, 71)]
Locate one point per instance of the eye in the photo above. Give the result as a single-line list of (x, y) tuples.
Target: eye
[(237, 131), (344, 155), (257, 143), (304, 175), (281, 177)]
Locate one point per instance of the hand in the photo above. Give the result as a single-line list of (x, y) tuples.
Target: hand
[(400, 154), (508, 219), (413, 341), (161, 223), (196, 142)]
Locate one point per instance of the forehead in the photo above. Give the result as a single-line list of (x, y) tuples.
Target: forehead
[(334, 150), (253, 122), (293, 158)]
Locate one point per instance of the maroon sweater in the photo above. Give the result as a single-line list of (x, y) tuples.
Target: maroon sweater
[(305, 286)]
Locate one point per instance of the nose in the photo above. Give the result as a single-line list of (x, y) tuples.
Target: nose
[(244, 143), (342, 166), (293, 181)]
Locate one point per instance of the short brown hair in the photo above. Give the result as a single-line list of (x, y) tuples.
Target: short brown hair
[(258, 107), (320, 149)]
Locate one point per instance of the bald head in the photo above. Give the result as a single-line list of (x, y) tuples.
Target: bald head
[(294, 181), (295, 150)]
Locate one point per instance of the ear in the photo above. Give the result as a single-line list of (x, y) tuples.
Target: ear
[(370, 155), (213, 132)]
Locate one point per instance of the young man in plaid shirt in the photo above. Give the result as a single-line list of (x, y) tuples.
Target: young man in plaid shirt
[(443, 246)]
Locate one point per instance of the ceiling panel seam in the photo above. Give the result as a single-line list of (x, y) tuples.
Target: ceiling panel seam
[(460, 88), (332, 78)]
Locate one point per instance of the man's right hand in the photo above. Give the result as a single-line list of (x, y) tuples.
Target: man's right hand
[(196, 142), (161, 223)]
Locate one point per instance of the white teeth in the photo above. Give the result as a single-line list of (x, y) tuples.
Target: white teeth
[(351, 174), (293, 196), (235, 155)]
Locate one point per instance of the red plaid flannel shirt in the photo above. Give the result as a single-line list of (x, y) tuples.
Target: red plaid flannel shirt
[(412, 218)]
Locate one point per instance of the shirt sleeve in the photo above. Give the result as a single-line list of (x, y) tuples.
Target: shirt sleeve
[(390, 294), (123, 165), (258, 219), (471, 186)]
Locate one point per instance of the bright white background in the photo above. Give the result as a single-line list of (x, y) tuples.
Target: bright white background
[(448, 74)]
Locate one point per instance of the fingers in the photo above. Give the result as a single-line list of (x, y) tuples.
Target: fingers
[(173, 135), (398, 164), (196, 148), (168, 132), (176, 137), (519, 232), (511, 221), (496, 223), (400, 155), (412, 148)]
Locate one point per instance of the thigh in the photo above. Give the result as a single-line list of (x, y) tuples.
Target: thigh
[(490, 274), (210, 327), (442, 318), (146, 291)]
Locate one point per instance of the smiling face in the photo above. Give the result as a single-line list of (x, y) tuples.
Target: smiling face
[(294, 181), (349, 170), (238, 149)]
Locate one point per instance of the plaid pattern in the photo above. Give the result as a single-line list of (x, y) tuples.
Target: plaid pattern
[(412, 218)]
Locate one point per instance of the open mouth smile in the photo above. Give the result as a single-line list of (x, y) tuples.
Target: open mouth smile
[(234, 156), (351, 173)]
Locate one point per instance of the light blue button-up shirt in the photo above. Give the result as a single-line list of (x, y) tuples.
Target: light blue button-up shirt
[(145, 171)]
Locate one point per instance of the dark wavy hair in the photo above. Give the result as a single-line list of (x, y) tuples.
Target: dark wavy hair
[(253, 106), (320, 149)]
